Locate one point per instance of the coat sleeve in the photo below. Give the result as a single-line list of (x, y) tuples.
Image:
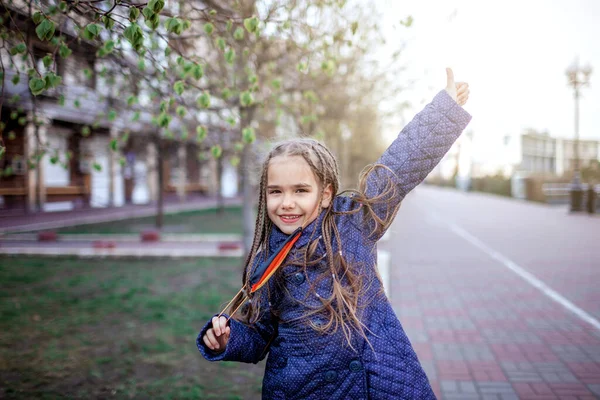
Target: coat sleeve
[(413, 154), (247, 343)]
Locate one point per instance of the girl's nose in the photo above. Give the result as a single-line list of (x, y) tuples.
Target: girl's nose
[(288, 201)]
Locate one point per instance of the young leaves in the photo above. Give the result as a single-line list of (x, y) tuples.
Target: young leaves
[(45, 29)]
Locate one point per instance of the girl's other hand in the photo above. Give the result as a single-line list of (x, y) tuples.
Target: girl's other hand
[(459, 91), (216, 338)]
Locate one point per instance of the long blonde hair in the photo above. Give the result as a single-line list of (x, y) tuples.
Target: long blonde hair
[(341, 309)]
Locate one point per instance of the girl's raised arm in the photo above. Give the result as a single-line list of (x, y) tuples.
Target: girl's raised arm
[(414, 153)]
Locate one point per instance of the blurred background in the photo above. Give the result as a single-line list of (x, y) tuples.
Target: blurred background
[(132, 135)]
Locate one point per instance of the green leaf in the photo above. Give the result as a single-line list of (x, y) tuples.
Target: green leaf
[(220, 43), (77, 103), (163, 120), (134, 34), (230, 56), (131, 100), (61, 100), (251, 24), (37, 85), (97, 167), (181, 111), (216, 151), (153, 21), (16, 79), (45, 30), (109, 45), (239, 33), (231, 121), (134, 14), (109, 23), (248, 135), (235, 161), (18, 49), (91, 31), (147, 12), (156, 5), (37, 17), (226, 93), (52, 80), (203, 100), (276, 83), (2, 151), (212, 13), (114, 144), (64, 51), (198, 71), (136, 116), (246, 99), (179, 87), (112, 115), (229, 25), (407, 22), (142, 64), (311, 96), (238, 146), (85, 131), (62, 6), (209, 28), (201, 133)]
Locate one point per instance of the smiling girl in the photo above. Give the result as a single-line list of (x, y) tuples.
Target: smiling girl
[(323, 319)]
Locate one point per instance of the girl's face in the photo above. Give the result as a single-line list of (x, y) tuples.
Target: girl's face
[(293, 193)]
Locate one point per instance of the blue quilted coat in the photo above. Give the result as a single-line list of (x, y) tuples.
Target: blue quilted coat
[(305, 364)]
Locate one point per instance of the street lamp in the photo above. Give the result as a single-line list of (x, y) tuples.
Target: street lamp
[(578, 78)]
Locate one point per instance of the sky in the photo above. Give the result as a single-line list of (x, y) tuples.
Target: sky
[(513, 54)]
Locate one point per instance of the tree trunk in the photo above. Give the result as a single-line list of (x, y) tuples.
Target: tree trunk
[(247, 201), (220, 202), (161, 178)]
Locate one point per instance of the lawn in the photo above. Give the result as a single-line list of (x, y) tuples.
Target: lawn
[(123, 329), (201, 221)]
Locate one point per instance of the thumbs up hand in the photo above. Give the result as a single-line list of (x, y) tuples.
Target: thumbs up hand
[(459, 91)]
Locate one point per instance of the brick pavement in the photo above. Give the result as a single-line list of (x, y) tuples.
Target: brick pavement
[(480, 330)]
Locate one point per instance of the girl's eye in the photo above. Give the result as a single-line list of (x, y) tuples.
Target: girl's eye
[(301, 191), (274, 191)]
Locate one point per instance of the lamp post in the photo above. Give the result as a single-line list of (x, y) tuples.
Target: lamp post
[(578, 78)]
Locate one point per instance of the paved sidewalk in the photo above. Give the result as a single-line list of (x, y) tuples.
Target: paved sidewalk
[(500, 298), (21, 222)]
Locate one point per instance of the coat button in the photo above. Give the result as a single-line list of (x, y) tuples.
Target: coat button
[(299, 278), (330, 376), (355, 366)]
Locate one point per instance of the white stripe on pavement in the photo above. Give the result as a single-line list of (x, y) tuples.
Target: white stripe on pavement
[(526, 276)]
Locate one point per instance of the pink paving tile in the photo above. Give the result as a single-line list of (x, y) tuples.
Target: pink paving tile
[(412, 323), (586, 372), (486, 371), (570, 389), (523, 352), (441, 312), (423, 351), (435, 385), (453, 370), (531, 389)]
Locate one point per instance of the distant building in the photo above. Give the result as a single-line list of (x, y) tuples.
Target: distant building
[(540, 153), (77, 166)]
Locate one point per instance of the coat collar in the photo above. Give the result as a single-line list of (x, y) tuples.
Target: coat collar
[(312, 231)]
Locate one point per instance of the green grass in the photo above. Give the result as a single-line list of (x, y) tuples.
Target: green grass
[(97, 328), (202, 221)]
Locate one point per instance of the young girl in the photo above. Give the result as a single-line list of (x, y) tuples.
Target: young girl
[(323, 318)]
